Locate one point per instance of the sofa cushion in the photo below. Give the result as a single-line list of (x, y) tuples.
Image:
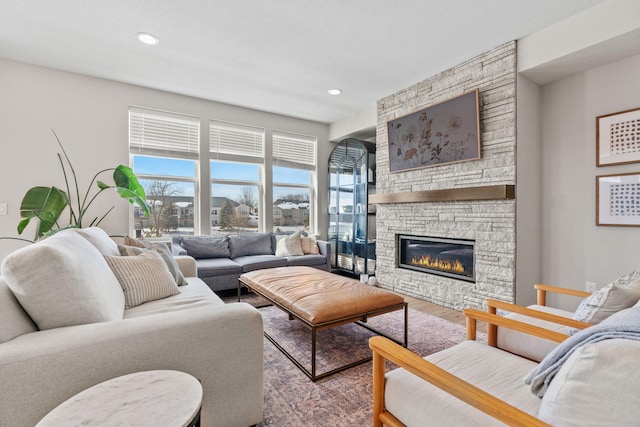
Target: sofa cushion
[(14, 320), (289, 245), (201, 247), (597, 386), (607, 301), (217, 267), (132, 241), (250, 244), (309, 260), (164, 253), (100, 239), (143, 278), (258, 262), (63, 281), (197, 294)]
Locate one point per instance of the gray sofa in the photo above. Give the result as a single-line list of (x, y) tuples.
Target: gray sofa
[(221, 259), (52, 345)]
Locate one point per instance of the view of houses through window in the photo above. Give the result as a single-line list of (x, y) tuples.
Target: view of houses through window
[(166, 162)]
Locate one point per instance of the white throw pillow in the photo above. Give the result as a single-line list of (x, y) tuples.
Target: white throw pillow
[(64, 280), (606, 301), (289, 245), (143, 278), (100, 239)]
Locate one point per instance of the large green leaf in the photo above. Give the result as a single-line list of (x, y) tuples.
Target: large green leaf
[(128, 186), (44, 203)]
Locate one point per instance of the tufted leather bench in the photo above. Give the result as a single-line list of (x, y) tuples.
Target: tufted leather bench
[(321, 300)]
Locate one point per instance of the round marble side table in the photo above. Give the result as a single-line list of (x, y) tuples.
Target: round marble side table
[(148, 398)]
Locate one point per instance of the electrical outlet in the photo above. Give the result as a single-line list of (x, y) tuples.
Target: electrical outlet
[(3, 208), (590, 286)]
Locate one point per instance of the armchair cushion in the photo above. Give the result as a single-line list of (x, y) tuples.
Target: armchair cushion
[(414, 401)]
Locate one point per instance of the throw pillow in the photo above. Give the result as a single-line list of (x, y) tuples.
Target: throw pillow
[(164, 253), (132, 241), (143, 278), (250, 244), (64, 280), (100, 239), (614, 297), (309, 245), (201, 247), (289, 245)]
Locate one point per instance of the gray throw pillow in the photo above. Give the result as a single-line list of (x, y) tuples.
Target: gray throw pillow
[(201, 247), (250, 244)]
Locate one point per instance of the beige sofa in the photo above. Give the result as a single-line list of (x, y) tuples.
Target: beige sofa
[(63, 328)]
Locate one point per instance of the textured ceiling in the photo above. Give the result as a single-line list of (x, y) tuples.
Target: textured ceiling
[(279, 56)]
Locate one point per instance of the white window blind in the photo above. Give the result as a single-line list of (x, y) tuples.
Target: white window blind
[(159, 133), (294, 151), (232, 141)]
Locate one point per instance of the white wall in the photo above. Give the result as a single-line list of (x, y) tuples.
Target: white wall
[(90, 116), (574, 249), (528, 190)]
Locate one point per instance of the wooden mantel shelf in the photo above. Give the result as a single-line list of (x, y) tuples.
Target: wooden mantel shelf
[(487, 192)]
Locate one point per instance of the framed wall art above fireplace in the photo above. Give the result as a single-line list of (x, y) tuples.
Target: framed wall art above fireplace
[(448, 132), (618, 200)]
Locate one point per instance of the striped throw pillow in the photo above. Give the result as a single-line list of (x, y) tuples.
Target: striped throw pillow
[(164, 253), (143, 278)]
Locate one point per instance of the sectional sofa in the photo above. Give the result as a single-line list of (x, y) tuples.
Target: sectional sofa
[(64, 328), (221, 259)]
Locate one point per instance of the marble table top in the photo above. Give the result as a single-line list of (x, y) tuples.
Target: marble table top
[(148, 398)]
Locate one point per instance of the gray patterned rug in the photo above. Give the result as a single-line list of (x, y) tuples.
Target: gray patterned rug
[(343, 399)]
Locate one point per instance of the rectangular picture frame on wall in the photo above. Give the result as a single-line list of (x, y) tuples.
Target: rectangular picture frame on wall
[(618, 138), (443, 133), (618, 200)]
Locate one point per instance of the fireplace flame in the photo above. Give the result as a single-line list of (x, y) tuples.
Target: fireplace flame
[(442, 265)]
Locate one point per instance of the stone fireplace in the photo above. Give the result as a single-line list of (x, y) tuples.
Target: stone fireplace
[(471, 201)]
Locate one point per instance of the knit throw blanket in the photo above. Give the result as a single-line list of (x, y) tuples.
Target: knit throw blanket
[(622, 325)]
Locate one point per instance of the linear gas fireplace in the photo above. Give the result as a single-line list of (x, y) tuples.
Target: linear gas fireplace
[(445, 257)]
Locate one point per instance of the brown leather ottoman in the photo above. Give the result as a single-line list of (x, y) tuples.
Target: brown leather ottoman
[(322, 300)]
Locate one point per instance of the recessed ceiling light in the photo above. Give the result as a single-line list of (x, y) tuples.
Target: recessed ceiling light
[(147, 38), (334, 91)]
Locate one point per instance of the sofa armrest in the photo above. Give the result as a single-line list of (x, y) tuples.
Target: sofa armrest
[(385, 349), (325, 249), (541, 292), (187, 265), (221, 345)]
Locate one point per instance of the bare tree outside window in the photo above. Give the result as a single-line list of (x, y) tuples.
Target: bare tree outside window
[(247, 197), (163, 209)]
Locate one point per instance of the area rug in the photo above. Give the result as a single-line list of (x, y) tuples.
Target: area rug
[(343, 399)]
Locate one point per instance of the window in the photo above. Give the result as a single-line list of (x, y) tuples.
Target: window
[(236, 159), (164, 153), (294, 163)]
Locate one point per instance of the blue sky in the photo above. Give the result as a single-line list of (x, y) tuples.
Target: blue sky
[(221, 170)]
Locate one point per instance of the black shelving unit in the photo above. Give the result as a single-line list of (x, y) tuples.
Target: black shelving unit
[(351, 220)]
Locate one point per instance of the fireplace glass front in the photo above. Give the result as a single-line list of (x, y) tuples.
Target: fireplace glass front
[(445, 257)]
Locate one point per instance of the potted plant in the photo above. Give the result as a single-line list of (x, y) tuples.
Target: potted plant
[(46, 204)]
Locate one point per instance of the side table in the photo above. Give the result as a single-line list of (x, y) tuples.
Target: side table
[(148, 398)]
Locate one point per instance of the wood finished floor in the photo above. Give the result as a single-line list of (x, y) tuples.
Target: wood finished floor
[(453, 316)]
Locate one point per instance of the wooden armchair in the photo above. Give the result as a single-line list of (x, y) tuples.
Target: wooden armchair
[(526, 345), (441, 371)]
